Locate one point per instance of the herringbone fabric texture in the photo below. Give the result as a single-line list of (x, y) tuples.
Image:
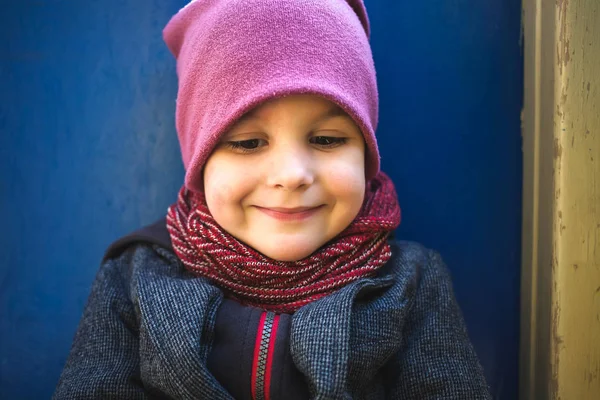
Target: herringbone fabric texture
[(148, 329)]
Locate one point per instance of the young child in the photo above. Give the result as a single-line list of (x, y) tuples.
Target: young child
[(274, 275)]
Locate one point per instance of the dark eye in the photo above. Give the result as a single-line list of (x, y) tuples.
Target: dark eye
[(327, 141), (246, 145)]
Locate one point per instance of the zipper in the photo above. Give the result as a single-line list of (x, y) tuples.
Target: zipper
[(264, 347)]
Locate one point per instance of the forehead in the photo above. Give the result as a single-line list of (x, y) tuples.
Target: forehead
[(305, 105)]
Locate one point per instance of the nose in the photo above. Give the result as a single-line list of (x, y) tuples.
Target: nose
[(291, 170)]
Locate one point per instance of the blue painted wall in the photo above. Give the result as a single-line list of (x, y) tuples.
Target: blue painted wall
[(451, 85), (88, 152)]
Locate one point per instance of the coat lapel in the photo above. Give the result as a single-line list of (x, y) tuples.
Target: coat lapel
[(177, 313), (340, 342)]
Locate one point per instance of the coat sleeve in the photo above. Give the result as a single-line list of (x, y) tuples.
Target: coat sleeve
[(104, 359), (437, 360)]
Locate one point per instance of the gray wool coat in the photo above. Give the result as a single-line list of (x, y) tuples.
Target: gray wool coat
[(148, 328)]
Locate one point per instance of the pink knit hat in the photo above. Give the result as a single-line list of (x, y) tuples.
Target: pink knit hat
[(234, 54)]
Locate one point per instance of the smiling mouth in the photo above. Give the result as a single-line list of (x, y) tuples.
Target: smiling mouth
[(290, 214)]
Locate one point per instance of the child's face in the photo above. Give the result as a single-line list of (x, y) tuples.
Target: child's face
[(288, 176)]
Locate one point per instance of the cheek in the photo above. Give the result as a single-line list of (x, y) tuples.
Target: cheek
[(218, 195), (219, 183), (346, 175), (347, 183), (214, 189)]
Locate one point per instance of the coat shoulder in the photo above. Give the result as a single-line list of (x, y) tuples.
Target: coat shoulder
[(414, 257)]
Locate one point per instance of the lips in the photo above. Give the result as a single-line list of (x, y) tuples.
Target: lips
[(290, 210), (290, 214)]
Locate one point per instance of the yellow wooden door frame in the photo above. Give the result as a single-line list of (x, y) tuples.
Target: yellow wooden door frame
[(560, 316)]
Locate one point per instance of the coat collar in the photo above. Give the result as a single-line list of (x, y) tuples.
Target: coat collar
[(177, 314), (340, 342)]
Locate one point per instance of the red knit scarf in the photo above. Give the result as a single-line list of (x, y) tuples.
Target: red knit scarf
[(284, 286)]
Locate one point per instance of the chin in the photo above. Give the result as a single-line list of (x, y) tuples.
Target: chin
[(293, 251)]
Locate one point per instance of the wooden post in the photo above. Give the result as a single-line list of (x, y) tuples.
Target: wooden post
[(560, 320)]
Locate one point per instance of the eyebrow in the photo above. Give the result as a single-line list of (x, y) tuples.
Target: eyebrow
[(332, 112)]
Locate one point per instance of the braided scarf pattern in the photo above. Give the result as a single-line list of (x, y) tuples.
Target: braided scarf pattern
[(284, 286)]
